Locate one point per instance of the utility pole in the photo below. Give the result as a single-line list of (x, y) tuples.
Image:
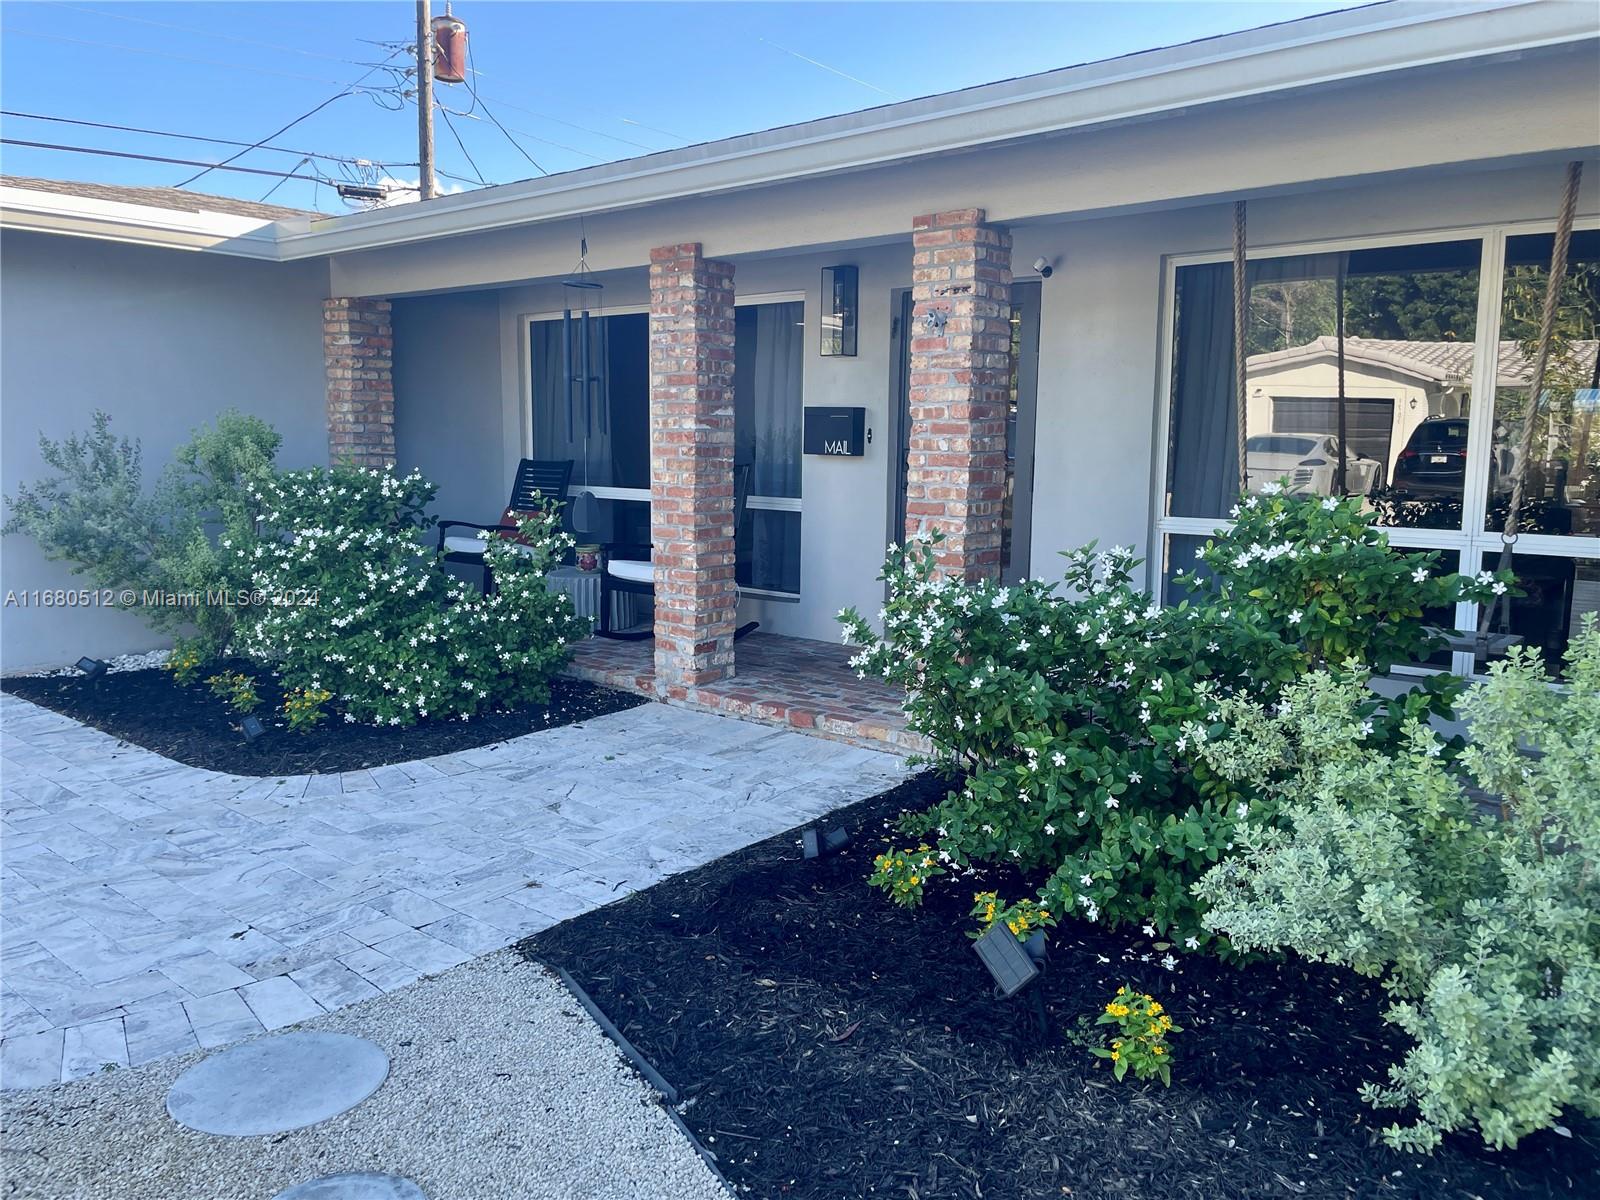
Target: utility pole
[(429, 187)]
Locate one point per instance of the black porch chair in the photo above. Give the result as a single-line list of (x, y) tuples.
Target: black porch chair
[(629, 569), (538, 481)]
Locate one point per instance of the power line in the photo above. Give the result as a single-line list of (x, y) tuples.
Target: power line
[(303, 116), (231, 37), (477, 102), (193, 137), (210, 62), (831, 70), (571, 125), (294, 173), (161, 158), (451, 126)]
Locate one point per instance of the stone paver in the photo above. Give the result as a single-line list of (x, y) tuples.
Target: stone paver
[(150, 907)]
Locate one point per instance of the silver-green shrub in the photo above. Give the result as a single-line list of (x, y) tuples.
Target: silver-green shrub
[(1483, 921), (96, 514)]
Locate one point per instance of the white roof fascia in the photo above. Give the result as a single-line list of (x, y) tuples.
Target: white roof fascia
[(112, 220), (1342, 46)]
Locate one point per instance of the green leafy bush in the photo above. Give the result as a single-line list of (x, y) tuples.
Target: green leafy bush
[(1320, 574), (356, 607), (237, 689), (1062, 714), (1072, 716), (96, 514), (1485, 927), (303, 708)]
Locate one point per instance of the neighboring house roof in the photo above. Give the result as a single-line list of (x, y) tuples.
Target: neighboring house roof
[(169, 199), (1435, 362)]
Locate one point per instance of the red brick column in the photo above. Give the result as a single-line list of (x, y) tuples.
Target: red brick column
[(691, 467), (960, 379), (358, 350)]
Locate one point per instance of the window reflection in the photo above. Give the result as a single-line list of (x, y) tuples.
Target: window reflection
[(1559, 592), (1358, 379), (1561, 485)]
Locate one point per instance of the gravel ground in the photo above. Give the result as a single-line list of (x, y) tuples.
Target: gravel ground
[(500, 1087), (123, 662)]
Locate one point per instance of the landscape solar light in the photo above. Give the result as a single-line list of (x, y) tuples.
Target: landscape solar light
[(1008, 961), (94, 668), (816, 842), (252, 728)]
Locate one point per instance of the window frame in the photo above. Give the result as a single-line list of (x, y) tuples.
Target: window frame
[(792, 504), (1470, 540)]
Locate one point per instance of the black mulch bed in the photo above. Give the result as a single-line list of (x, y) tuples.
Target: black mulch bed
[(190, 725), (830, 1045)]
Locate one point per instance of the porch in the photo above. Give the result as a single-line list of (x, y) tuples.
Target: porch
[(794, 682)]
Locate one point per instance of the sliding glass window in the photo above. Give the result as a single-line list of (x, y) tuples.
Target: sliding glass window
[(1399, 374)]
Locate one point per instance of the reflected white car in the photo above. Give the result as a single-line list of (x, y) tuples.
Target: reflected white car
[(1308, 463)]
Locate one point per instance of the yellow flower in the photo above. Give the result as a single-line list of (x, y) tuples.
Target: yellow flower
[(1155, 1007), (1115, 1055), (1157, 1050)]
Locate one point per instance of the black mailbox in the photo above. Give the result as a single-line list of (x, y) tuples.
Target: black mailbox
[(836, 432)]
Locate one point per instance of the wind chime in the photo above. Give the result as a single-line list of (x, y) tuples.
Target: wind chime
[(581, 337)]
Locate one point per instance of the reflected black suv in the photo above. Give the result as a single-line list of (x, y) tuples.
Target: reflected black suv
[(1434, 461)]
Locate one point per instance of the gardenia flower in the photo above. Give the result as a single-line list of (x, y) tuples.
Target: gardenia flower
[(1086, 880), (1113, 802), (1329, 504), (1420, 575), (1192, 942), (1135, 777), (1294, 617), (1169, 962), (1149, 930)]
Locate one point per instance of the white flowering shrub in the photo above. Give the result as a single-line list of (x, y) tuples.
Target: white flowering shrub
[(1072, 712), (1063, 712), (1321, 574), (357, 608), (1485, 927)]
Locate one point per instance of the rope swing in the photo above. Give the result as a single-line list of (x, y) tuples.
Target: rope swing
[(1541, 359)]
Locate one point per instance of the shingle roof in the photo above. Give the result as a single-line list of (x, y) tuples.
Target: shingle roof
[(1441, 361), (172, 199)]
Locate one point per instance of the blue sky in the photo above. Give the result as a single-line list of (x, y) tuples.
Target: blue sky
[(574, 84)]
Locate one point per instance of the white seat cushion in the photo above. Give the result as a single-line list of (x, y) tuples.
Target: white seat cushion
[(637, 572), (471, 545)]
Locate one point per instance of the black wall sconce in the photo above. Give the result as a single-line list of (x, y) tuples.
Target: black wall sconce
[(840, 287)]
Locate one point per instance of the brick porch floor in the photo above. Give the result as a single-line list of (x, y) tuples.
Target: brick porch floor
[(806, 685)]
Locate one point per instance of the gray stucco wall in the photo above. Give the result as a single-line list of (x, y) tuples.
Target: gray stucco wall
[(448, 419), (162, 340)]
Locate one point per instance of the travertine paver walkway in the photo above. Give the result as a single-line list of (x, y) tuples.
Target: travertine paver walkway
[(150, 908)]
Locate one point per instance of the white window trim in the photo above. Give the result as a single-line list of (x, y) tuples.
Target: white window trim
[(1471, 544), (794, 504)]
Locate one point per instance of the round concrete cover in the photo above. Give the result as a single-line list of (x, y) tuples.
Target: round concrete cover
[(277, 1084), (357, 1185)]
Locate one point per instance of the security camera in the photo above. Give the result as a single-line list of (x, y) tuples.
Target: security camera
[(1043, 267)]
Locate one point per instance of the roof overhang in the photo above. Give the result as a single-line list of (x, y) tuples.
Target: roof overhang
[(1338, 47), (110, 220)]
